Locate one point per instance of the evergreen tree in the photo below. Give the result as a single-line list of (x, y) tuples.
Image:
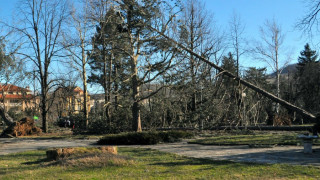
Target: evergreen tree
[(308, 79), (229, 92), (256, 76), (306, 56), (108, 64), (229, 63)]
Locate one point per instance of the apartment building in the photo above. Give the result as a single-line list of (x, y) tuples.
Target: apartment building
[(69, 101), (17, 97)]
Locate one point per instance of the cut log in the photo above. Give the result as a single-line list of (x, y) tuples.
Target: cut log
[(263, 92)]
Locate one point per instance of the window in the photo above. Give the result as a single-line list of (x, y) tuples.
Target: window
[(14, 101)]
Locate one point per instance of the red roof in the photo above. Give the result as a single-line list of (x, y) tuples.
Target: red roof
[(77, 89), (13, 88), (69, 89), (17, 96)]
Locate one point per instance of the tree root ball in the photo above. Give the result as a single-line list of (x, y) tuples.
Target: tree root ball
[(24, 127)]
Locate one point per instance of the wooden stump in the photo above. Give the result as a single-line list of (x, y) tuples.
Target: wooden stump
[(60, 153), (109, 149)]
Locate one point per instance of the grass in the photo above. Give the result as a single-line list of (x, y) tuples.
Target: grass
[(263, 138), (147, 164), (87, 157)]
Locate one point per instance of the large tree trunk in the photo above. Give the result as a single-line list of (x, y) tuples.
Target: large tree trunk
[(85, 100), (5, 116), (84, 81), (105, 86), (44, 100), (44, 114), (136, 121), (263, 92)]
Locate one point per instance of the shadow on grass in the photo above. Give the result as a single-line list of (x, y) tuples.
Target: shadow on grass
[(201, 161), (139, 152), (28, 165), (39, 161), (21, 155)]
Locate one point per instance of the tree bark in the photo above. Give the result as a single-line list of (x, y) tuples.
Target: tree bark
[(85, 98), (136, 121), (5, 116)]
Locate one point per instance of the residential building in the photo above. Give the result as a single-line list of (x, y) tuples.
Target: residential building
[(69, 101), (17, 97)]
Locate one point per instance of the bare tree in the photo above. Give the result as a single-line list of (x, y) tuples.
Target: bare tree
[(238, 42), (197, 32), (311, 19), (237, 29), (39, 29), (270, 49), (78, 44)]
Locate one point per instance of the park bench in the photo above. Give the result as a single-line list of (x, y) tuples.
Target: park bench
[(307, 142)]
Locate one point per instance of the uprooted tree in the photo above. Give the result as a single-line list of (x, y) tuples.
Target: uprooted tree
[(23, 127), (5, 116)]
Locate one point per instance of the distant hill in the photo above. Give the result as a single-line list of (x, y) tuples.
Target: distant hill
[(291, 68)]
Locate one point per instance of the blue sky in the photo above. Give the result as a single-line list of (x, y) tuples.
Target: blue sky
[(253, 14)]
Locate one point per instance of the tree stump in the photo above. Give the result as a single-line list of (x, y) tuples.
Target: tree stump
[(60, 153)]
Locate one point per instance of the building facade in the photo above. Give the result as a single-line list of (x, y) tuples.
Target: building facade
[(17, 97), (69, 101)]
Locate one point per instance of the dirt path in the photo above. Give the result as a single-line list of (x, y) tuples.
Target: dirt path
[(14, 145), (280, 154)]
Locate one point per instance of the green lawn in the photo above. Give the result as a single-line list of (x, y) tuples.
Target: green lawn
[(148, 164), (286, 138)]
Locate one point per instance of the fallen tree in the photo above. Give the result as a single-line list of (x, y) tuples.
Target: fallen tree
[(255, 88), (5, 116)]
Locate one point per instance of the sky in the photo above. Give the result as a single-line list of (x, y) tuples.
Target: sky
[(253, 14)]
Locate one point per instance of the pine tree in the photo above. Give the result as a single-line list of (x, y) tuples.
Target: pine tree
[(228, 93), (229, 64), (308, 78), (307, 56), (107, 62)]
